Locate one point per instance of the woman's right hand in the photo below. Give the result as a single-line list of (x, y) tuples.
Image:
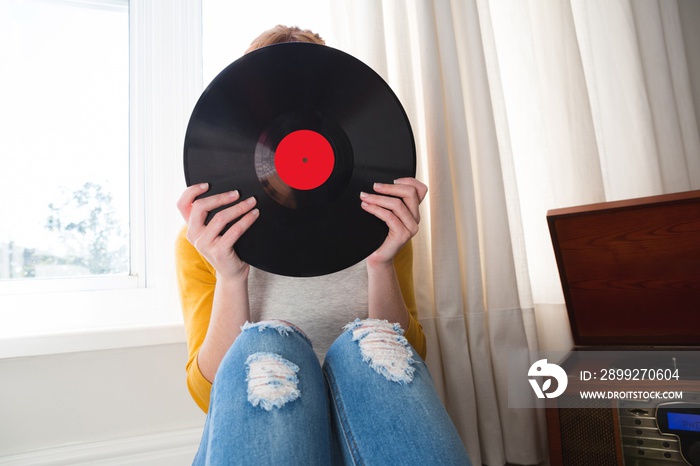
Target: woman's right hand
[(207, 239)]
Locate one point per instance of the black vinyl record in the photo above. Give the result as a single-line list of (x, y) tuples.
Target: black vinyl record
[(303, 128)]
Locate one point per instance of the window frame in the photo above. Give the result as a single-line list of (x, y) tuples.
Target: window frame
[(165, 60)]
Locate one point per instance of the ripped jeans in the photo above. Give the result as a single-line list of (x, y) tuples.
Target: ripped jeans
[(372, 403)]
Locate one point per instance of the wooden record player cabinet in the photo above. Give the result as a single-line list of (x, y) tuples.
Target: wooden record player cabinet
[(630, 272)]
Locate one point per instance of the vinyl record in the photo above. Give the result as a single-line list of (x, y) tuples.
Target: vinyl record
[(303, 128)]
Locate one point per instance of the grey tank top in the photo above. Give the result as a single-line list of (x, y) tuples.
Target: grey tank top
[(320, 306)]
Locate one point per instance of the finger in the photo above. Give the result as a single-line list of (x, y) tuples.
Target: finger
[(392, 211), (400, 206), (201, 207), (397, 229), (234, 233), (184, 204), (222, 218), (421, 188), (407, 193)]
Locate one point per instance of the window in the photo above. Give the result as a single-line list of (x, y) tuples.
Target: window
[(64, 139), (96, 97)]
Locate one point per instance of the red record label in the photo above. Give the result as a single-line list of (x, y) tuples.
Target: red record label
[(304, 159)]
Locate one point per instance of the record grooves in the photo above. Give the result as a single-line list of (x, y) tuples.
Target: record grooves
[(303, 128)]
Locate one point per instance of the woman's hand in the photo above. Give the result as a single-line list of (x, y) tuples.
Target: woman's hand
[(397, 205), (207, 239)]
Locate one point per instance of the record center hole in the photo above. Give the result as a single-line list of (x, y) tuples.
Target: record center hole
[(305, 160)]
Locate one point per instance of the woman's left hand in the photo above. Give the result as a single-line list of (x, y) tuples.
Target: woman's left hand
[(397, 205)]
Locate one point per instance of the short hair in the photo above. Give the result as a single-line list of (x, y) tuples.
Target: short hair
[(280, 34)]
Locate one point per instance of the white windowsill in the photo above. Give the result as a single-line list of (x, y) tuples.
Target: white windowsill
[(92, 340), (32, 324)]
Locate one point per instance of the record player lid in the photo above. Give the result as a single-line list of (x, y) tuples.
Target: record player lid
[(630, 270)]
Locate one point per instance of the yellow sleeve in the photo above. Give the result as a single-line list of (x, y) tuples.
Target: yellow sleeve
[(403, 264), (196, 280)]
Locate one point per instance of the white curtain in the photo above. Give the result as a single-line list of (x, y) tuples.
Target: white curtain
[(518, 107)]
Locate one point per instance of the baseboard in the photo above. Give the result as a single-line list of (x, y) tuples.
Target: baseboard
[(167, 449)]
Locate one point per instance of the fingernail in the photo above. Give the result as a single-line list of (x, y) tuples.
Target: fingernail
[(255, 212), (250, 200), (363, 194), (233, 193), (203, 185), (377, 185)]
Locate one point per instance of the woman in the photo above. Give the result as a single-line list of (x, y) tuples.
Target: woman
[(271, 401)]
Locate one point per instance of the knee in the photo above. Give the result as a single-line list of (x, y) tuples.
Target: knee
[(382, 347), (271, 353)]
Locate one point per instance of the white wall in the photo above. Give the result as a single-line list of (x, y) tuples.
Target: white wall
[(98, 404)]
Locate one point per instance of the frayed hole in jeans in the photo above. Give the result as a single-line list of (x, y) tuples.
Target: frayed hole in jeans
[(272, 380), (383, 346)]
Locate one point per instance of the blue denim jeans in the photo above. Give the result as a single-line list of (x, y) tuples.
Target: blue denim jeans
[(372, 403)]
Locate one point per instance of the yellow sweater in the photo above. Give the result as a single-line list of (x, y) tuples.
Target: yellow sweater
[(197, 280)]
